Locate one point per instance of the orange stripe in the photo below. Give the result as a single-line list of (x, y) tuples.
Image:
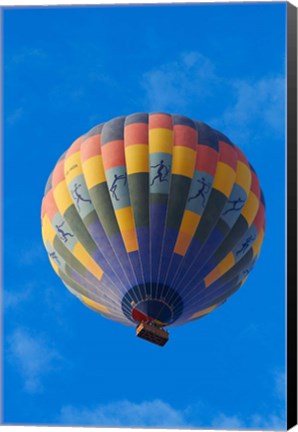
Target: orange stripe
[(130, 240), (182, 243), (43, 209), (207, 159), (58, 173), (91, 147), (136, 133), (50, 204), (113, 154), (75, 147), (185, 136), (241, 156), (160, 121), (255, 185)]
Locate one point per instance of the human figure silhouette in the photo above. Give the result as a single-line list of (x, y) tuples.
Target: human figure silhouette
[(246, 272), (202, 191), (246, 244), (77, 196), (234, 207), (162, 172), (114, 186), (63, 234), (54, 257)]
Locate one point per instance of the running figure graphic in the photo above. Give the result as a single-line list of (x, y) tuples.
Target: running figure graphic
[(77, 196), (54, 257), (63, 234), (202, 191), (162, 172), (246, 244), (114, 186), (234, 207), (247, 271)]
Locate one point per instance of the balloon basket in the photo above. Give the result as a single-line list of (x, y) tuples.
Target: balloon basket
[(152, 334)]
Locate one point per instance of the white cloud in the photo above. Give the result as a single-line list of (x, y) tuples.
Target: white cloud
[(223, 421), (280, 384), (13, 298), (33, 357), (242, 109), (258, 105), (124, 413), (158, 413), (176, 84), (274, 421)]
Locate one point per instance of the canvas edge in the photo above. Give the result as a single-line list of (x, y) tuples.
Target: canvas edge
[(291, 215)]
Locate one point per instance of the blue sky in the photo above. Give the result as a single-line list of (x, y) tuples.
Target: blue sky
[(68, 69)]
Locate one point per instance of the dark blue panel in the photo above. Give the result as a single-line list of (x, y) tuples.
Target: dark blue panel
[(113, 130), (136, 118), (182, 120), (143, 241), (206, 135), (157, 222), (94, 131)]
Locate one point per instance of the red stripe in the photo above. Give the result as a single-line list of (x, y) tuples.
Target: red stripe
[(43, 209), (241, 156), (260, 217), (255, 185), (160, 121), (75, 147), (136, 133), (206, 159), (91, 147), (185, 136), (113, 154), (228, 155), (58, 173), (50, 204)]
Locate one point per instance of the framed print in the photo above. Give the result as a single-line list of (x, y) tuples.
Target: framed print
[(150, 215)]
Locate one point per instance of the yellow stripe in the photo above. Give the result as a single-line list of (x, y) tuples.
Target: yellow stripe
[(243, 176), (220, 269), (125, 218), (224, 178), (127, 228), (54, 265), (243, 280), (48, 231), (82, 255), (72, 167), (161, 140), (189, 222), (182, 243), (203, 312), (137, 158), (130, 240), (258, 243), (187, 230), (94, 171), (95, 305), (183, 161), (62, 197), (250, 209)]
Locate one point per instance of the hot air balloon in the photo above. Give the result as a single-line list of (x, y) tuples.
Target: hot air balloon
[(153, 220)]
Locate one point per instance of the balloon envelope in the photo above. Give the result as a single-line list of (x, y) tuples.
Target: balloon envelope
[(153, 218)]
